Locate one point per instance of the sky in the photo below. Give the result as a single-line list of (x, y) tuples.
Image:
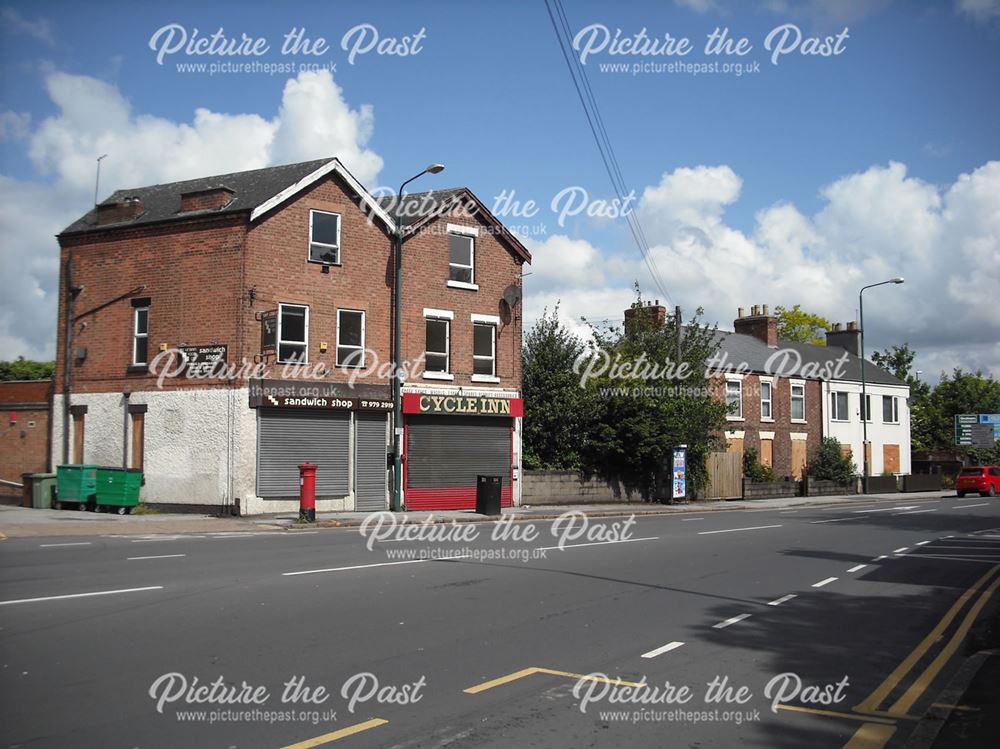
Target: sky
[(776, 177)]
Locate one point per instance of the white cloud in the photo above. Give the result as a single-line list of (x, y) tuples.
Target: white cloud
[(14, 125), (979, 10), (38, 29), (313, 120)]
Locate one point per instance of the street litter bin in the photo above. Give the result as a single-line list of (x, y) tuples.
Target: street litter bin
[(43, 486), (76, 484), (118, 489), (488, 494)]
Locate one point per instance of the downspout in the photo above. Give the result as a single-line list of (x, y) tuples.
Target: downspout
[(67, 349)]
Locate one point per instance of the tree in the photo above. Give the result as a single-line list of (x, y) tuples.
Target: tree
[(26, 369), (650, 398), (961, 393), (899, 361), (554, 402), (829, 462), (795, 324)]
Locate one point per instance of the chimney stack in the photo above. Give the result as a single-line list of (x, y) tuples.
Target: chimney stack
[(847, 337), (759, 324), (657, 314)]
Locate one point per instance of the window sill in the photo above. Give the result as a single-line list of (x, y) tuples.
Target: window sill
[(766, 420), (798, 421), (325, 262), (438, 376), (463, 285), (735, 418), (484, 378), (137, 369)]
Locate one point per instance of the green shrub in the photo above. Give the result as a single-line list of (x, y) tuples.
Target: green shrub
[(829, 462), (753, 469)]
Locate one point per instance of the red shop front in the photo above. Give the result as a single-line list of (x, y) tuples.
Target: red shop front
[(449, 440)]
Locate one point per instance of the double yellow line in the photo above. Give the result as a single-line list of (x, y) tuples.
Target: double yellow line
[(876, 735)]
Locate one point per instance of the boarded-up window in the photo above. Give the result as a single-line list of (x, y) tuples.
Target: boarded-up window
[(798, 458), (767, 453), (890, 458)]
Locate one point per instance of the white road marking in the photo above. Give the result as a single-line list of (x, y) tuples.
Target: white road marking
[(834, 520), (598, 543), (821, 583), (880, 558), (890, 509), (662, 649), (684, 520), (733, 530), (857, 567), (82, 595), (78, 543), (900, 550), (355, 567), (964, 507), (158, 556), (922, 543), (916, 512), (779, 601), (952, 558), (723, 625)]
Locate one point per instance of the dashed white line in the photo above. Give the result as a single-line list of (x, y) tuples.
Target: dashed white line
[(354, 567), (662, 649), (81, 595), (922, 543), (834, 520), (728, 622), (821, 583), (733, 530), (963, 507), (78, 543), (596, 543), (857, 567), (684, 520), (880, 558), (783, 599), (158, 556), (900, 550), (916, 512)]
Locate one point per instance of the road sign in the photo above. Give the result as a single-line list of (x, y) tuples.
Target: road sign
[(977, 430), (963, 428), (993, 419)]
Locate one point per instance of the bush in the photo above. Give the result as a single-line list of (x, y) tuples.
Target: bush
[(829, 462), (754, 470)]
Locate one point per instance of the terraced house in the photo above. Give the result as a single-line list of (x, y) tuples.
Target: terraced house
[(217, 332)]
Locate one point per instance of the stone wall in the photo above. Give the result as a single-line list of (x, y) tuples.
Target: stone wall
[(569, 487)]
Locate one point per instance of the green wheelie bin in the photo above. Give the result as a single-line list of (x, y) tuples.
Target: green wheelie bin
[(76, 484), (118, 489)]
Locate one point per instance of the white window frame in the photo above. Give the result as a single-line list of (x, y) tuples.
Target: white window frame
[(738, 416), (136, 335), (472, 233), (336, 353), (769, 400), (791, 402), (340, 222), (280, 340), (835, 413), (865, 407), (895, 409), (492, 322), (446, 317)]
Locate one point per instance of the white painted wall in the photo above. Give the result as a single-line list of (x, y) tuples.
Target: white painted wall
[(879, 433)]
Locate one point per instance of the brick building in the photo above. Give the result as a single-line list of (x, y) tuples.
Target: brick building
[(24, 431), (227, 328)]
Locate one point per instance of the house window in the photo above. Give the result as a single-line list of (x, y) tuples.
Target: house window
[(461, 264), (484, 349), (140, 336), (734, 399), (436, 349), (890, 409), (765, 401), (324, 237), (838, 407), (866, 408), (350, 338), (798, 402), (293, 333)]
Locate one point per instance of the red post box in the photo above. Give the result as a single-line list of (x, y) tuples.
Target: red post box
[(307, 492)]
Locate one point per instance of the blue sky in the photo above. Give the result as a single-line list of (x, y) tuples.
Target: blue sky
[(489, 95)]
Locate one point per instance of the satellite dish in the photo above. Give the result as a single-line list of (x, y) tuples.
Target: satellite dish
[(512, 295)]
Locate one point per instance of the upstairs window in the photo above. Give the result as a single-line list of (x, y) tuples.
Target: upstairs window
[(350, 338), (866, 408), (838, 407), (436, 348), (140, 336), (462, 256), (324, 237), (890, 409), (293, 334), (484, 351), (734, 399), (798, 402), (765, 401)]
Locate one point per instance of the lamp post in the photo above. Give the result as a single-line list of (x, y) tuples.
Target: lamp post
[(397, 348), (864, 389)]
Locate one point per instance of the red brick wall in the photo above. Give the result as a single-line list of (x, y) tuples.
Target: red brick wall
[(24, 430)]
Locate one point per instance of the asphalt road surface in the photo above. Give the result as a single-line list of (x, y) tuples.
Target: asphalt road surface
[(805, 628)]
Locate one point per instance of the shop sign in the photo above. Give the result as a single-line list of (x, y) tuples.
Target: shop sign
[(319, 395), (461, 405), (202, 362)]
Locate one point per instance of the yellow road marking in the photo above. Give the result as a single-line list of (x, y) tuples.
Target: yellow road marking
[(524, 672), (326, 738), (918, 687), (835, 714), (871, 736), (871, 703)]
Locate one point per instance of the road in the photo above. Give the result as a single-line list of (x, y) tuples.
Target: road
[(500, 642)]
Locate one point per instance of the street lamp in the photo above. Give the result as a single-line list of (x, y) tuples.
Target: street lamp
[(397, 349), (864, 390)]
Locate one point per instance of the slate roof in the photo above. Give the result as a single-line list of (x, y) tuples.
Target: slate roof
[(163, 202), (739, 348)]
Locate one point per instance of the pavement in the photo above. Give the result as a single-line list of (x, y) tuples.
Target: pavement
[(833, 624)]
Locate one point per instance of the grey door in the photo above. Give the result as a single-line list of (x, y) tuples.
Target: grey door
[(287, 437), (370, 449)]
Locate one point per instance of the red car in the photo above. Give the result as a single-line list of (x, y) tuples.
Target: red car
[(982, 479)]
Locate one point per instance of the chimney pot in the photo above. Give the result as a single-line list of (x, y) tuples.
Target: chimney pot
[(852, 325), (739, 312), (765, 310)]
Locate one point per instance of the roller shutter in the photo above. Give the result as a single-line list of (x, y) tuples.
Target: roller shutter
[(287, 437), (450, 451), (370, 446)]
